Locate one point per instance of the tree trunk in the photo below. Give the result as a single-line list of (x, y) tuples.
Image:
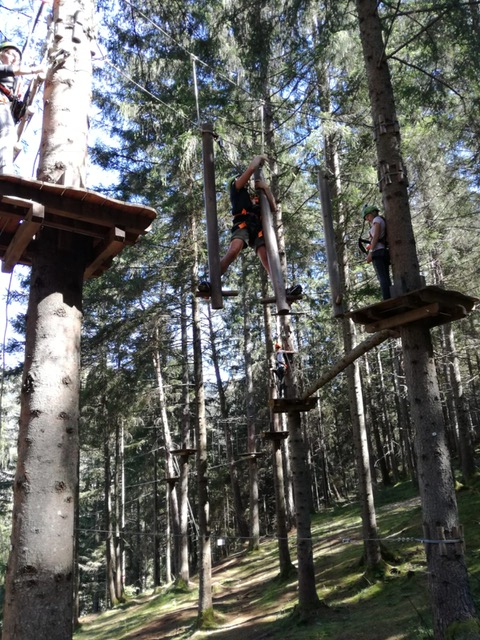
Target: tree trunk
[(205, 599), (308, 600), (109, 544), (184, 569), (170, 471), (39, 582), (403, 413), (254, 541), (39, 585), (281, 519), (371, 548), (465, 426), (119, 485), (450, 594), (156, 513), (240, 521)]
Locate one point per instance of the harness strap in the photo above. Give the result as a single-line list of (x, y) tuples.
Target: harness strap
[(6, 91)]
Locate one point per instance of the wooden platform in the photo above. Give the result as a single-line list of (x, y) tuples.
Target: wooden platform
[(226, 293), (273, 300), (431, 306), (183, 452), (275, 435), (26, 206), (252, 455), (284, 405)]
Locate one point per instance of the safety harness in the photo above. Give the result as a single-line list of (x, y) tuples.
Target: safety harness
[(364, 242), (18, 107)]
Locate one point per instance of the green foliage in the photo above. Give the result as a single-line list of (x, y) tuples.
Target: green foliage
[(352, 607), (464, 630)]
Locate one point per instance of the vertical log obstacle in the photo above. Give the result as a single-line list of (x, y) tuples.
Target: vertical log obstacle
[(210, 197), (332, 258), (276, 275)]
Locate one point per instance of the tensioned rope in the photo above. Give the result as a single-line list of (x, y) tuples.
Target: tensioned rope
[(178, 44), (195, 58), (339, 539)]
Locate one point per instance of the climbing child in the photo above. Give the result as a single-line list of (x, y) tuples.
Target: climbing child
[(247, 223)]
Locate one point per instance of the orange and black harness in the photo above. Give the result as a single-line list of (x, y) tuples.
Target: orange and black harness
[(251, 221), (18, 107)]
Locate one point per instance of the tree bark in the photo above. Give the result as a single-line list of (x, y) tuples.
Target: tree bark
[(184, 568), (169, 459), (39, 583), (241, 525), (450, 593), (205, 599), (254, 541), (281, 519)]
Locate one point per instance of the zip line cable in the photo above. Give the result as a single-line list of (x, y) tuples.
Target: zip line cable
[(34, 25), (205, 64), (220, 74), (145, 90), (338, 539)]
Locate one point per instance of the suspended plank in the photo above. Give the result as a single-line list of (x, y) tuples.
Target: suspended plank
[(275, 435)]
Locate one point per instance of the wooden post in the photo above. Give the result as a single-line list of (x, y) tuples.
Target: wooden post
[(210, 197), (332, 258), (276, 274)]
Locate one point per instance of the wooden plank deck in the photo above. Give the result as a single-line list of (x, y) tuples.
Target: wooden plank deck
[(27, 206), (431, 306)]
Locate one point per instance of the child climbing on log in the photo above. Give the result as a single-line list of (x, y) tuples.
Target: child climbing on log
[(247, 223)]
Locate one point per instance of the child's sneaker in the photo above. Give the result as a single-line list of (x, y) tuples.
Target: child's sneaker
[(205, 288), (295, 290)]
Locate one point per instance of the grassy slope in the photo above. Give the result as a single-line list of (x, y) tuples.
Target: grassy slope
[(250, 602)]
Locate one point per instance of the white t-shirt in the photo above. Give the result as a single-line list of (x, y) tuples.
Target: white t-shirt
[(378, 220)]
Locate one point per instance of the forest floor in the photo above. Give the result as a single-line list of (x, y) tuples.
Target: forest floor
[(250, 602)]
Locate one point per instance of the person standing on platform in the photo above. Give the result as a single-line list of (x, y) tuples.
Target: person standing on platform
[(281, 366), (377, 248), (247, 222), (10, 67)]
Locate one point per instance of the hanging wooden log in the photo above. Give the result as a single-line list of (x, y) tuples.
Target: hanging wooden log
[(271, 244), (210, 197)]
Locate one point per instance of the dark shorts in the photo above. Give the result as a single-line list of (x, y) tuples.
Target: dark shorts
[(249, 229)]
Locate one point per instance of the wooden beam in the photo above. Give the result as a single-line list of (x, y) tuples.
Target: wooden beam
[(284, 405), (404, 318), (272, 299), (347, 360), (183, 452), (275, 435), (253, 455), (110, 247), (23, 236), (225, 293)]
